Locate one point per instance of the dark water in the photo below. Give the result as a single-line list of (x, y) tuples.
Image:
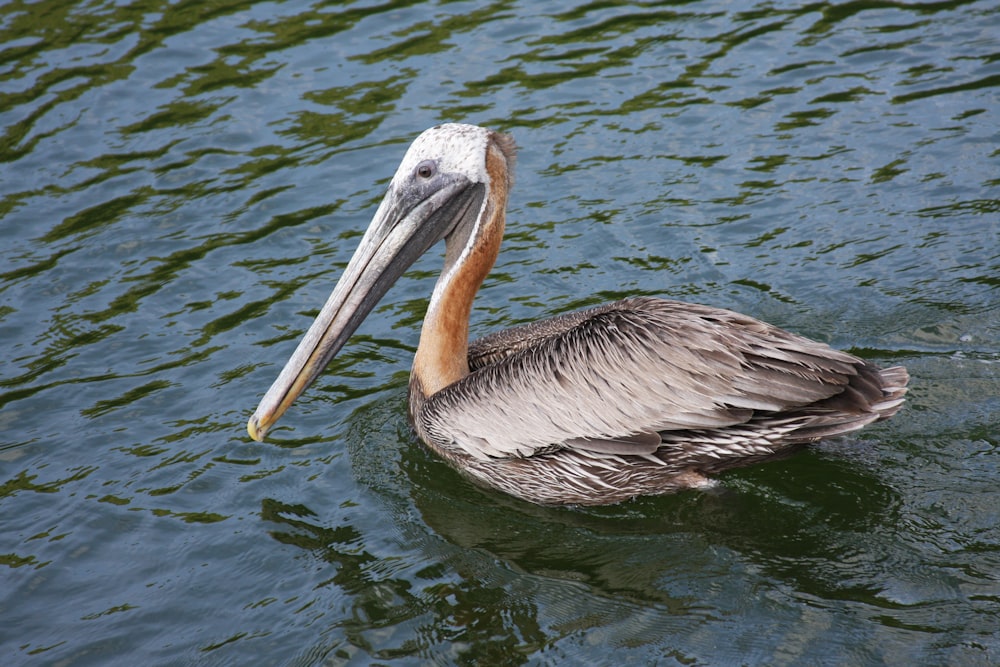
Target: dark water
[(181, 183)]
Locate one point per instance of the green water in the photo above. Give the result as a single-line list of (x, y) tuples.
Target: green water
[(181, 184)]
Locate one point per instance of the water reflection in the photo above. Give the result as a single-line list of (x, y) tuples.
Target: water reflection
[(615, 550), (679, 560)]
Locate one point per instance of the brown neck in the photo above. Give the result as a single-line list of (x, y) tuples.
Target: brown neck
[(442, 355), (444, 340)]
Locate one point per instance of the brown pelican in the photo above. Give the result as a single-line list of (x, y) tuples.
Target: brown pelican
[(641, 396)]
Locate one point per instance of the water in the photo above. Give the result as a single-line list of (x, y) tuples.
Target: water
[(181, 184)]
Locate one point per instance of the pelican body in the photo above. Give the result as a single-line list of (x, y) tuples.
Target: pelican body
[(640, 396)]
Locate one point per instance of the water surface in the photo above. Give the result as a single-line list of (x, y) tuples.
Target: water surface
[(181, 184)]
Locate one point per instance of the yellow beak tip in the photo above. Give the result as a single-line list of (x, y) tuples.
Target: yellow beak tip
[(253, 428)]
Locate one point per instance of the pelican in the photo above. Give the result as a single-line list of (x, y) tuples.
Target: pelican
[(637, 397)]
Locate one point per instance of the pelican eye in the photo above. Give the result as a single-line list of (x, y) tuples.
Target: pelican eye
[(426, 169)]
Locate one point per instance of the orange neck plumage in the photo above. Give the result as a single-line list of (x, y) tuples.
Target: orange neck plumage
[(442, 355)]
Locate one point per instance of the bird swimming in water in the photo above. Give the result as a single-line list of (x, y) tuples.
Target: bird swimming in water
[(640, 396)]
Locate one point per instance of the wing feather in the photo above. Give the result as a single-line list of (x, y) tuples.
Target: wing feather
[(610, 380)]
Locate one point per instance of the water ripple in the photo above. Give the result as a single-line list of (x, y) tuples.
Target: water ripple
[(181, 183)]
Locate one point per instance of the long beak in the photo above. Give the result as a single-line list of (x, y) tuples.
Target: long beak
[(409, 220)]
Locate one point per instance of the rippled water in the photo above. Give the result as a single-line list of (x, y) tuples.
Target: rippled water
[(181, 184)]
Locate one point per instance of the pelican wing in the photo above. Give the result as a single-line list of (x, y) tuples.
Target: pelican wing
[(612, 379)]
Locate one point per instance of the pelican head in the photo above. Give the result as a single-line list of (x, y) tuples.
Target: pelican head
[(452, 184)]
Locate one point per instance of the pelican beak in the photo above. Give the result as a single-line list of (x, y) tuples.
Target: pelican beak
[(412, 217)]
